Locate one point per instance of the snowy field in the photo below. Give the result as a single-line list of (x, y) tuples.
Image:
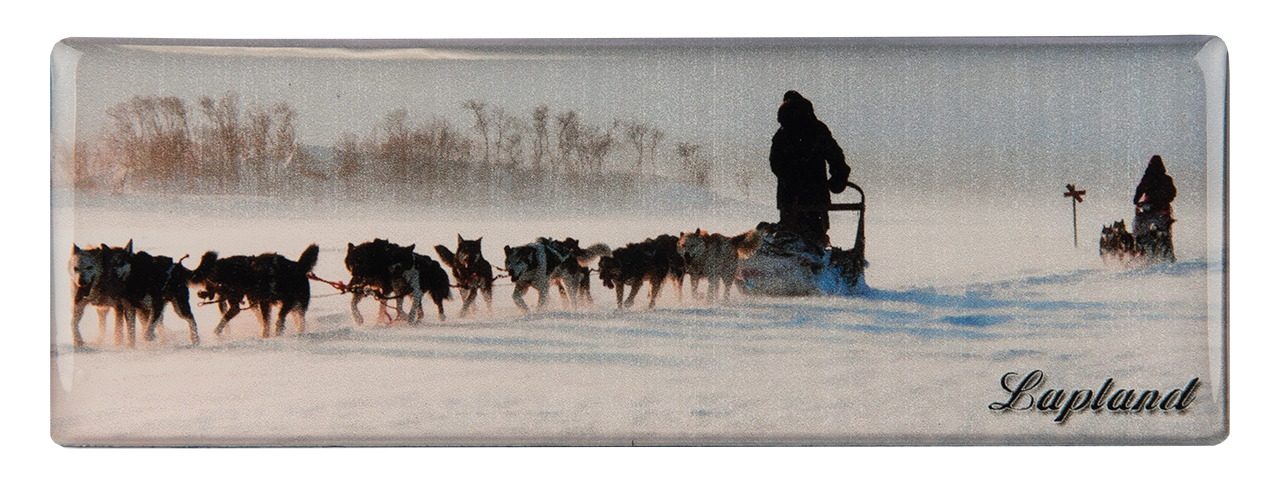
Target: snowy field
[(955, 299)]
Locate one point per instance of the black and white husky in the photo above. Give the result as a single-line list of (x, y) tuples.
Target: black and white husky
[(98, 279), (545, 261), (132, 284), (584, 256), (263, 281), (389, 271)]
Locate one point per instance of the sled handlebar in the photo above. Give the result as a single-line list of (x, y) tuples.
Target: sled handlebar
[(859, 206)]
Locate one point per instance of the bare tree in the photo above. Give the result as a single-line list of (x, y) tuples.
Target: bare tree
[(286, 134), (437, 145), (396, 149), (635, 133), (174, 134), (86, 170), (269, 141), (285, 144), (693, 168), (423, 160), (655, 137), (258, 142), (347, 154), (222, 140), (596, 143), (498, 118), (482, 122), (151, 139), (568, 135), (582, 146), (540, 140), (513, 129)]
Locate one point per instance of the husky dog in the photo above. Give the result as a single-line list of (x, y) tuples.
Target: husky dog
[(131, 284), (378, 268), (435, 281), (263, 281), (99, 276), (546, 261), (668, 246), (711, 256), (389, 271), (633, 265), (746, 243), (473, 273), (1116, 242), (583, 256), (155, 281)]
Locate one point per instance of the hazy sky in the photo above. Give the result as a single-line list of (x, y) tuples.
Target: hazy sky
[(1093, 111)]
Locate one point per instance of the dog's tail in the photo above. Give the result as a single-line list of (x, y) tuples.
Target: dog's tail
[(447, 257), (593, 252), (309, 257)]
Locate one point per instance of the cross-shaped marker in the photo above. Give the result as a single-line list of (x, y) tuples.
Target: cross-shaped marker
[(1072, 193), (1076, 197)]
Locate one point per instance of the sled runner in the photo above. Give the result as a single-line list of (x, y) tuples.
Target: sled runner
[(786, 263)]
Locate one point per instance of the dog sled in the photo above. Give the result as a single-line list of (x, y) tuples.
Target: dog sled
[(786, 263), (1150, 243)]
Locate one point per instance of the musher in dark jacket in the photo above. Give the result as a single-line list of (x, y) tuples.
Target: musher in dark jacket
[(1156, 188), (1153, 198), (803, 151)]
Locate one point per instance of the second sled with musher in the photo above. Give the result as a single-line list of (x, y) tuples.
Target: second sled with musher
[(1152, 239)]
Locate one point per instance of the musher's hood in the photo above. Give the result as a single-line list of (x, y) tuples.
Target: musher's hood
[(1155, 166), (795, 110)]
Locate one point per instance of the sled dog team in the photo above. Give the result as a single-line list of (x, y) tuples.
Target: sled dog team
[(139, 285)]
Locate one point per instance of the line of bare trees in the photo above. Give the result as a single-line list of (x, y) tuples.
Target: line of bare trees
[(504, 156), (163, 144), (223, 146)]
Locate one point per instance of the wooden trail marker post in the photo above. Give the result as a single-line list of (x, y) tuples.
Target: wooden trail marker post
[(1076, 197)]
